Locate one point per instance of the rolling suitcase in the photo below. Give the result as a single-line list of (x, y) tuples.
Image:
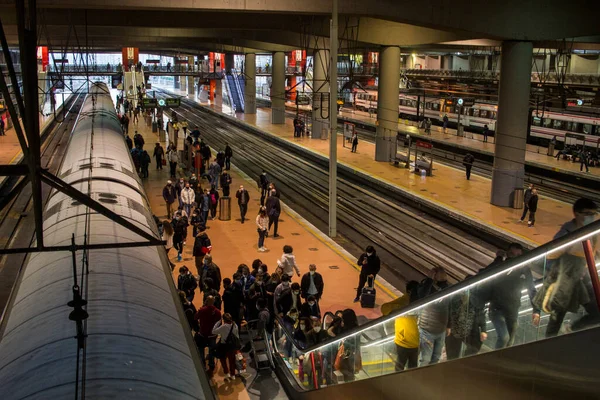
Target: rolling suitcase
[(367, 297)]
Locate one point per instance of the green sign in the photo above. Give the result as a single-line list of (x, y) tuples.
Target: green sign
[(149, 102), (162, 103), (173, 101)]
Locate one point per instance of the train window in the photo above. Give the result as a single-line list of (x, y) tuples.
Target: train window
[(558, 124), (494, 115), (483, 113), (436, 106), (572, 126), (475, 113), (547, 122), (537, 121), (587, 129), (428, 106)]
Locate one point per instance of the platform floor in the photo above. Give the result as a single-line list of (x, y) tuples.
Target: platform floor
[(10, 149), (235, 243), (448, 187)]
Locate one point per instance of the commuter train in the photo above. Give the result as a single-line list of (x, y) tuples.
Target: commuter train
[(544, 124), (138, 341)]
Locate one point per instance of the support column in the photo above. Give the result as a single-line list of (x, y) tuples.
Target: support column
[(387, 103), (229, 62), (278, 89), (320, 84), (250, 84), (218, 92), (511, 127), (176, 82), (191, 86)]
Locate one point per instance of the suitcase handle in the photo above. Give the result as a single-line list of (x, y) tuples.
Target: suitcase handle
[(371, 281)]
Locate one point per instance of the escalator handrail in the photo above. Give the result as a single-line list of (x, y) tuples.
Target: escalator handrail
[(536, 254)]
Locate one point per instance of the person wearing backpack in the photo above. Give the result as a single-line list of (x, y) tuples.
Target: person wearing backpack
[(186, 282), (145, 163), (214, 202), (206, 318), (468, 163), (211, 271), (228, 343), (202, 247)]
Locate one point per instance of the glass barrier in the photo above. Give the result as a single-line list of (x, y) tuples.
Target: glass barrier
[(526, 297)]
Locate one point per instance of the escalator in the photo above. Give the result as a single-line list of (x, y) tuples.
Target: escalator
[(232, 87), (533, 366), (239, 82)]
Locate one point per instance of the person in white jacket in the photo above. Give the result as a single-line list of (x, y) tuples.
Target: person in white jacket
[(288, 262), (187, 198), (173, 161), (262, 226)]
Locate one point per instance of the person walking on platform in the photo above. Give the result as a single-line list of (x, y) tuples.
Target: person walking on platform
[(583, 161), (225, 183), (242, 198), (406, 336), (287, 262), (204, 205), (533, 203), (354, 142), (214, 202), (526, 198), (428, 126), (369, 264), (159, 154), (273, 188), (145, 163), (214, 172), (273, 211), (312, 283), (228, 155), (263, 185), (169, 194), (173, 161), (485, 132), (180, 226), (445, 122), (206, 154), (468, 163), (179, 186), (188, 197), (129, 142), (568, 286), (186, 282), (262, 227)]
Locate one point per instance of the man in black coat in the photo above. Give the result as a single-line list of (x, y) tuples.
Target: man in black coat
[(273, 211), (243, 198), (312, 283), (369, 264), (228, 155), (532, 205)]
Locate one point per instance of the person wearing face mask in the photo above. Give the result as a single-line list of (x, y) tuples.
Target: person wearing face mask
[(179, 186), (204, 205), (504, 296), (257, 291), (283, 290), (259, 268), (315, 336), (290, 322), (187, 198), (202, 247), (246, 279), (169, 195), (312, 283), (369, 264), (526, 198), (262, 227), (210, 271), (186, 282), (180, 232), (310, 309), (263, 185), (265, 322), (243, 197), (568, 285)]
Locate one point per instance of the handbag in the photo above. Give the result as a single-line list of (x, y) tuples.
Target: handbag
[(163, 161)]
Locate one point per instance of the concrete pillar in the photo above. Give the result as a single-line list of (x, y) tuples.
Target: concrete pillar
[(176, 82), (387, 103), (218, 92), (320, 114), (511, 127), (250, 84), (191, 82), (278, 88), (229, 62)]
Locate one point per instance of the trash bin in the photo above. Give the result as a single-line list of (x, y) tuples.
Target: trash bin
[(224, 208), (551, 149), (460, 131), (518, 198)]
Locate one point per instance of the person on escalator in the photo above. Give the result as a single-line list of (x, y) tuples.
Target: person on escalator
[(406, 330), (504, 296), (348, 359), (434, 323), (313, 337)]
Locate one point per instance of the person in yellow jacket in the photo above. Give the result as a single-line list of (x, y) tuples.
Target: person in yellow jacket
[(407, 333)]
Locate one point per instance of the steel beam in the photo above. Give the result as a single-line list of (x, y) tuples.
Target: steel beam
[(14, 170), (78, 247), (69, 190)]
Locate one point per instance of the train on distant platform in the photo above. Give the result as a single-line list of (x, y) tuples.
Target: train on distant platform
[(570, 125)]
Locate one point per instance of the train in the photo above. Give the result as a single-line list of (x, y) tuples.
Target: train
[(138, 341), (567, 126)]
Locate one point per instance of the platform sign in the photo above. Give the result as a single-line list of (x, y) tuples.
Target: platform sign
[(302, 99), (149, 102), (424, 145), (173, 102), (468, 102)]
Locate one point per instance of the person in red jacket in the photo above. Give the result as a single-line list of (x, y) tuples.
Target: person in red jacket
[(206, 317)]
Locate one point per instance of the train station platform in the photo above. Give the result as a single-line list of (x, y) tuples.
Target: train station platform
[(10, 149), (447, 188), (535, 155), (235, 243)]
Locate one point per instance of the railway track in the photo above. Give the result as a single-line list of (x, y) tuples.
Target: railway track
[(410, 242), (552, 188), (17, 227)]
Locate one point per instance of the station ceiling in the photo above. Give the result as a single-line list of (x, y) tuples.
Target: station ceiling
[(193, 26)]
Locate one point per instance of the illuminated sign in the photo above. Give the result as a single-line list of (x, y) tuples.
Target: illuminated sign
[(173, 101), (162, 102), (149, 102)]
